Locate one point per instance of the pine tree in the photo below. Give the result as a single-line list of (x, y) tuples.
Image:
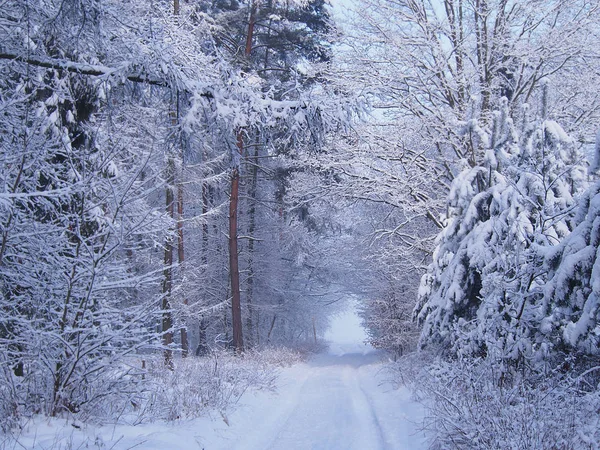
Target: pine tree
[(479, 296), (271, 43), (570, 314)]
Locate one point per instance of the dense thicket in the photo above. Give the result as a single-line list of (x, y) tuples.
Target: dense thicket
[(120, 126)]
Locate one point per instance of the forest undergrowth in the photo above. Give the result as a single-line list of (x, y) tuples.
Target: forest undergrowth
[(146, 392), (485, 404)]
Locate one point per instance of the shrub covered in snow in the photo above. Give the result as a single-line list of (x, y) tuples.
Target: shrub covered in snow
[(214, 382), (471, 405), (142, 390)]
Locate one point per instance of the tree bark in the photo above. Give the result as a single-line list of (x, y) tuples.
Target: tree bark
[(251, 230), (234, 269), (202, 348), (167, 318), (250, 34), (181, 258)]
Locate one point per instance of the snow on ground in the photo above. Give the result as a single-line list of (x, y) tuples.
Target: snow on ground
[(336, 400)]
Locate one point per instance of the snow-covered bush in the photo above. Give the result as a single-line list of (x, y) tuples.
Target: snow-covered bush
[(281, 356), (213, 382), (197, 385), (470, 407), (74, 214), (8, 404)]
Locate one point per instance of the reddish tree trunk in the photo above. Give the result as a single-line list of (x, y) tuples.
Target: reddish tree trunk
[(234, 269), (250, 33), (236, 310)]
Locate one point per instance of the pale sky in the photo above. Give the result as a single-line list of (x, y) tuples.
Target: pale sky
[(345, 334)]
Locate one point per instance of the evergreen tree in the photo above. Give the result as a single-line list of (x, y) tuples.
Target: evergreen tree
[(273, 45), (480, 294), (570, 314)]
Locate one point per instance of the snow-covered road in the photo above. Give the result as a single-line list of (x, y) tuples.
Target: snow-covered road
[(336, 402)]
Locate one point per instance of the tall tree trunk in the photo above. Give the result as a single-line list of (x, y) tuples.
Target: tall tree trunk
[(181, 257), (167, 287), (180, 245), (483, 51), (251, 229), (234, 269), (251, 23), (167, 317), (202, 348), (271, 328)]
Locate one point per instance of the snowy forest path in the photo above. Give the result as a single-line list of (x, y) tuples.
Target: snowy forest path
[(340, 400), (335, 402)]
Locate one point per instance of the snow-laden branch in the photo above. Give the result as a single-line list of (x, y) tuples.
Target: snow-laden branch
[(279, 108), (84, 68), (242, 108)]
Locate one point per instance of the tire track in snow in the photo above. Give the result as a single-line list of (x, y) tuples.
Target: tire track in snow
[(327, 409), (367, 411), (283, 406)]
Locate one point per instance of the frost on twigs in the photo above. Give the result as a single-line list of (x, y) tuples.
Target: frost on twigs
[(200, 385), (475, 403), (470, 404)]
